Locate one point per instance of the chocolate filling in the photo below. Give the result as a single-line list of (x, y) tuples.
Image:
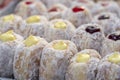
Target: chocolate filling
[(92, 29), (103, 17), (114, 37)]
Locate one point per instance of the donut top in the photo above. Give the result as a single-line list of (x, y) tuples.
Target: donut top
[(82, 58), (60, 45), (8, 18), (8, 36), (31, 40), (114, 58), (92, 29), (33, 19), (77, 9), (114, 37), (60, 25)]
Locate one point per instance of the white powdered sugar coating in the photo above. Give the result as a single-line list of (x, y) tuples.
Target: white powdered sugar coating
[(55, 62), (110, 45), (108, 25), (38, 28), (57, 14), (110, 6), (27, 61), (107, 70), (49, 3), (83, 71), (26, 10), (7, 51), (17, 25), (78, 18), (85, 40), (52, 33)]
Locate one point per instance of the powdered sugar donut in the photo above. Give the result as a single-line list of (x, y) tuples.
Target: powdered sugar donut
[(59, 29), (78, 15), (55, 59), (8, 43), (88, 36), (111, 43), (88, 3), (27, 58), (83, 66), (110, 6), (108, 21), (36, 25), (50, 3), (109, 67), (56, 11), (30, 7), (12, 22)]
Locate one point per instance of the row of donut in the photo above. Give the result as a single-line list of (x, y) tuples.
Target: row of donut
[(103, 36), (80, 12), (36, 59)]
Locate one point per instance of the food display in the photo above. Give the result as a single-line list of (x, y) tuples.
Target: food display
[(59, 39)]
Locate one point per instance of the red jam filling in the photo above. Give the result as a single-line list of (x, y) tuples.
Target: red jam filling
[(53, 10), (77, 9), (28, 2)]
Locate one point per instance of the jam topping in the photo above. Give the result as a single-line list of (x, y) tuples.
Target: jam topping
[(28, 2), (53, 10), (114, 37), (60, 45), (114, 58), (92, 29), (104, 17), (78, 9), (82, 58)]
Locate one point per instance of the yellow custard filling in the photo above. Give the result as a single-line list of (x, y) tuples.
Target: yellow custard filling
[(114, 58), (8, 18), (60, 45), (31, 40), (33, 19), (60, 25), (82, 58), (8, 36)]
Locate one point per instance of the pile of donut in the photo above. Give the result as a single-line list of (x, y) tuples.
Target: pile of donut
[(61, 40)]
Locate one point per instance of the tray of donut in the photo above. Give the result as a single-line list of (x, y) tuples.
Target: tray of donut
[(59, 40)]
